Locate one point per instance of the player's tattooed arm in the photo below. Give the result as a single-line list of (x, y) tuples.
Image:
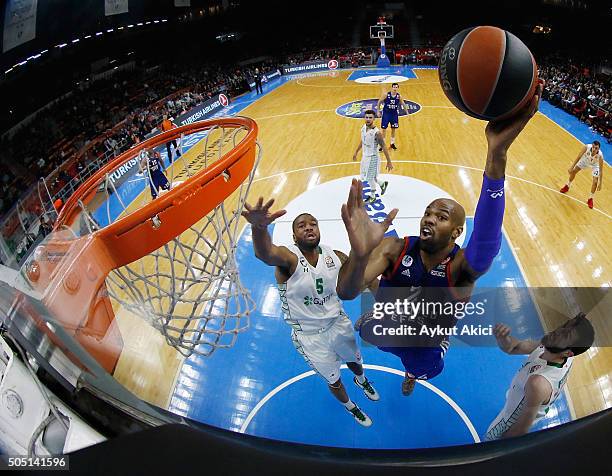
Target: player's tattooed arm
[(537, 391), (259, 216), (511, 345), (381, 142)]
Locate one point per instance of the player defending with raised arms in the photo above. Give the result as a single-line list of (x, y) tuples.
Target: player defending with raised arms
[(308, 274), (371, 139), (389, 106), (421, 264), (590, 157), (541, 379)]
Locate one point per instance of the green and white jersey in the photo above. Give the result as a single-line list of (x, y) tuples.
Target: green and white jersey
[(309, 300), (369, 146), (556, 374)]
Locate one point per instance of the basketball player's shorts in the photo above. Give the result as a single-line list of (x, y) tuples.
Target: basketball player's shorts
[(389, 118), (327, 350), (584, 163), (158, 180), (423, 363), (369, 168)]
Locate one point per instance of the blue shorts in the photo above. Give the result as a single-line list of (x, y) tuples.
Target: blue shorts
[(389, 118), (424, 363)]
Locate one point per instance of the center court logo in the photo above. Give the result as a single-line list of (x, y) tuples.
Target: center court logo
[(381, 78), (357, 109)]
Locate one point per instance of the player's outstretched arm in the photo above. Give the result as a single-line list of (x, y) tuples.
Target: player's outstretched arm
[(364, 236), (511, 345), (372, 284), (501, 134), (537, 391), (259, 217), (485, 241)]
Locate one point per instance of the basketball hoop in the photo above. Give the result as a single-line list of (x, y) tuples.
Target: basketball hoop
[(170, 260)]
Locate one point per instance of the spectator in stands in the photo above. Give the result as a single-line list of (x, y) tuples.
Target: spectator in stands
[(111, 145), (581, 92)]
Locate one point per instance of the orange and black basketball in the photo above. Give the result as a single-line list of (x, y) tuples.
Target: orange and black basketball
[(487, 72)]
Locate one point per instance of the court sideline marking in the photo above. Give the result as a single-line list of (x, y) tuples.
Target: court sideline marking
[(380, 368), (433, 163)]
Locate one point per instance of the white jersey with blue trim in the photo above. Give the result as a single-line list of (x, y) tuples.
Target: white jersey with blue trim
[(309, 300)]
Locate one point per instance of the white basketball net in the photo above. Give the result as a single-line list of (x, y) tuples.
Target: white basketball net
[(190, 289)]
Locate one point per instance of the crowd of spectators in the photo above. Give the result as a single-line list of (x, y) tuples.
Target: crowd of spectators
[(579, 91), (104, 117), (347, 57)]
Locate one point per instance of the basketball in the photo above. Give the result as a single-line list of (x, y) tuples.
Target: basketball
[(487, 72)]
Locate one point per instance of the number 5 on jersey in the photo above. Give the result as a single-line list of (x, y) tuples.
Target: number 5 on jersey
[(319, 283)]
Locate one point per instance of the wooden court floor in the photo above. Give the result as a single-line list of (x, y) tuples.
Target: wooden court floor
[(557, 240)]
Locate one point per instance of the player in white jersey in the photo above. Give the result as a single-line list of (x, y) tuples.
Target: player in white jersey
[(540, 380), (590, 157), (308, 275), (371, 139)]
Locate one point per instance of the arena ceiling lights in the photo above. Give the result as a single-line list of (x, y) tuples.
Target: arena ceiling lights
[(77, 40)]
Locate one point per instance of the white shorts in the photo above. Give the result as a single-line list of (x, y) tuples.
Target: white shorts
[(327, 351), (584, 163), (369, 168)]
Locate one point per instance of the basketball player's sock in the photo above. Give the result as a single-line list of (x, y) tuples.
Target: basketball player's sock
[(361, 378), (392, 140), (349, 405)]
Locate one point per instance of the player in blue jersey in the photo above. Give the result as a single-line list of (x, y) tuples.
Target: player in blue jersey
[(431, 266), (389, 106), (153, 168)]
